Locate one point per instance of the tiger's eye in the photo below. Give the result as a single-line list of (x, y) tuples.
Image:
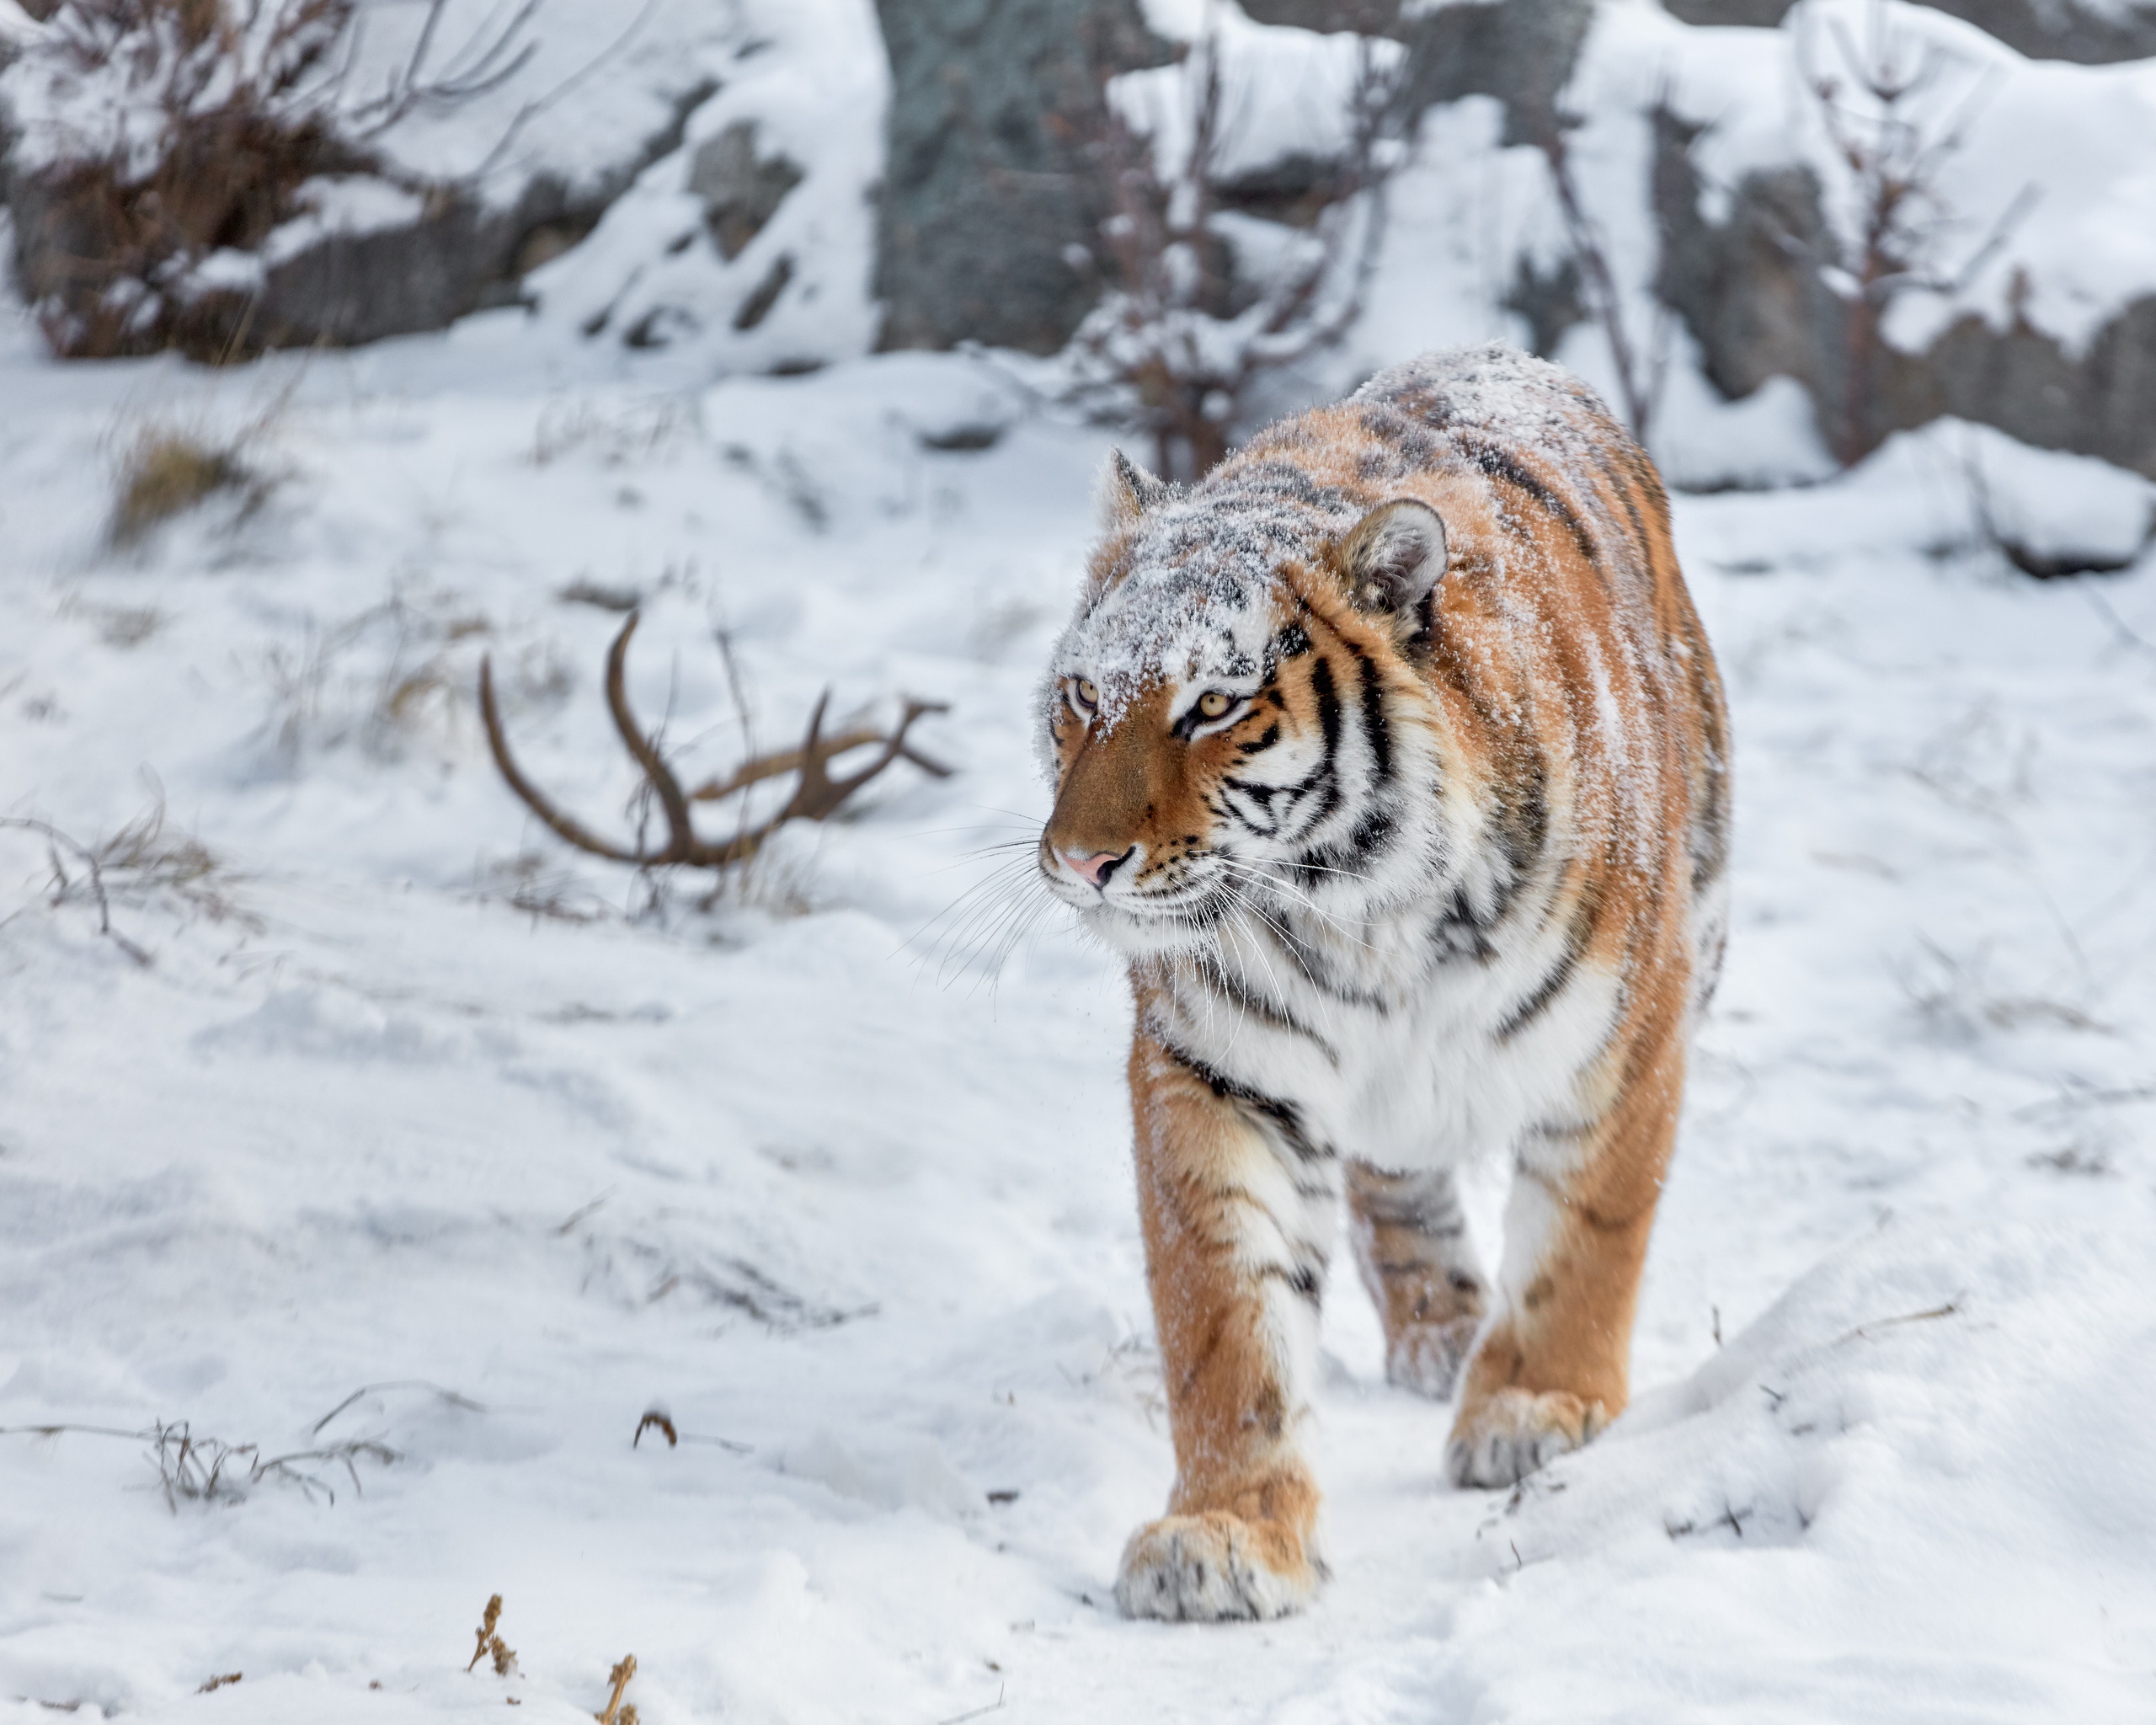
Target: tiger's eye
[(1213, 703), (1089, 694)]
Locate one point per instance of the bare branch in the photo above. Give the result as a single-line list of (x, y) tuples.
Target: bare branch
[(816, 797)]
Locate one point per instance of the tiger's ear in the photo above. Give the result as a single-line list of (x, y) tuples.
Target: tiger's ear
[(1396, 555), (1127, 491)]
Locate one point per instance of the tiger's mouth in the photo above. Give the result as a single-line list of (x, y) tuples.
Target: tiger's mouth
[(1139, 921)]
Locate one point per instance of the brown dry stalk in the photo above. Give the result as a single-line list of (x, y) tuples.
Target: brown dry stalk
[(615, 1713), (218, 1683), (487, 1643)]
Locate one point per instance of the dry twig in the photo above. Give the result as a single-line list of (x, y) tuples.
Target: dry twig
[(55, 842), (451, 1396), (816, 797)]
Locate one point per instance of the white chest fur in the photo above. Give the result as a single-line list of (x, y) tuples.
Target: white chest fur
[(1388, 1047)]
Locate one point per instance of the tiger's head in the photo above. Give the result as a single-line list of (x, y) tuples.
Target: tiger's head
[(1233, 717)]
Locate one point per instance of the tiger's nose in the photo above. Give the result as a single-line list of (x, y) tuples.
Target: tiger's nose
[(1094, 870)]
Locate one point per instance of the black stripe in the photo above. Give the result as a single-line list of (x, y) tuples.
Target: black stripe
[(1533, 1007), (1374, 718), (1579, 936), (1293, 641), (1216, 973), (1460, 933), (1282, 1116), (1328, 706), (1500, 465), (1305, 1283)]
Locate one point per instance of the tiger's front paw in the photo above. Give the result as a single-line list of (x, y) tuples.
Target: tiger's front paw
[(1200, 1568), (1504, 1438)]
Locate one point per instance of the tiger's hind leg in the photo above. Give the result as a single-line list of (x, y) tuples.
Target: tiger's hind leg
[(1411, 1244), (1554, 1366)]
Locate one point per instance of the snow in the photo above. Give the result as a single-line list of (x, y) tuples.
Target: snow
[(1284, 92), (364, 1121), (411, 1103)]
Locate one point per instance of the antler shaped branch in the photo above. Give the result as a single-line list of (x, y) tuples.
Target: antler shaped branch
[(815, 798)]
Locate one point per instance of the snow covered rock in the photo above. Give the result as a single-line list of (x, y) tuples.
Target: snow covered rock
[(2092, 32)]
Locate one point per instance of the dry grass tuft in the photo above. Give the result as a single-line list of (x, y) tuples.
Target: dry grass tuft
[(166, 472), (217, 1682), (143, 863), (210, 1471)]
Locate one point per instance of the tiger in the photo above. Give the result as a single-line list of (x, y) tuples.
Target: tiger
[(1391, 757)]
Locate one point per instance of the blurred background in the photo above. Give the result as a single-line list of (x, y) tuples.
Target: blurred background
[(532, 1059), (1902, 213)]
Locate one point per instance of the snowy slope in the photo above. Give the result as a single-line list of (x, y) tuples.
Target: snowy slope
[(806, 1176)]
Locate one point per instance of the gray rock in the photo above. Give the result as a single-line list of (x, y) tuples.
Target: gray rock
[(1520, 51), (2041, 30), (740, 190), (990, 205)]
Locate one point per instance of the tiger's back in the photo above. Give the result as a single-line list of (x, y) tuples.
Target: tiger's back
[(1394, 756)]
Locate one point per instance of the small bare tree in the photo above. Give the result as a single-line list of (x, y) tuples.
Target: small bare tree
[(1640, 364), (1895, 112), (1183, 330)]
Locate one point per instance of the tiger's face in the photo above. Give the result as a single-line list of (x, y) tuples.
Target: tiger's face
[(1220, 715)]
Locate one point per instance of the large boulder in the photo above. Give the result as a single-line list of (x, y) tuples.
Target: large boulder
[(989, 198)]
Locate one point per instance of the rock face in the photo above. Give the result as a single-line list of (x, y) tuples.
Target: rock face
[(2040, 29), (987, 198)]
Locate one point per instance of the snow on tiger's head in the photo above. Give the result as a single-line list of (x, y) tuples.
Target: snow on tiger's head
[(1186, 585)]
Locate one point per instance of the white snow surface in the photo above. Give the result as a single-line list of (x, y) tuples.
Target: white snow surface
[(801, 1170)]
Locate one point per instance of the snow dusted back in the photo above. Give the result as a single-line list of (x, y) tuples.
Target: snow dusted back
[(399, 1209)]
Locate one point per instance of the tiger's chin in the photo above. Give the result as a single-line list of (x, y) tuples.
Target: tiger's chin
[(1152, 935)]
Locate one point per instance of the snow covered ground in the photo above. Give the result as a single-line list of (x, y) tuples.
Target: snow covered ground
[(401, 1094)]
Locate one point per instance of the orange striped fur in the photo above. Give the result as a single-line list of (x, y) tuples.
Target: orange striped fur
[(1392, 755)]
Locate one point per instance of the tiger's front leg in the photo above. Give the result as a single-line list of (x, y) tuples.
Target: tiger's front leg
[(1236, 1226)]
